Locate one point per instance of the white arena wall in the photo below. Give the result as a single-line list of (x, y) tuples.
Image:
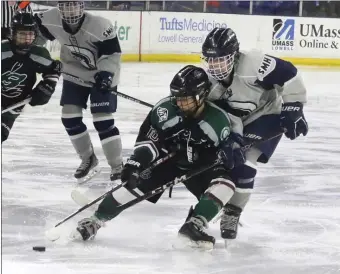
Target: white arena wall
[(172, 37)]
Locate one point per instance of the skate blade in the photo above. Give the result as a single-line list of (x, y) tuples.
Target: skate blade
[(75, 235), (184, 242), (92, 173)]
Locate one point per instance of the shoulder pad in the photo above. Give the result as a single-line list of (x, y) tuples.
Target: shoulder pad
[(102, 28), (267, 65)]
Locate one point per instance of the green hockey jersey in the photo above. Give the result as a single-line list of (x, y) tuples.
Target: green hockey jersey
[(166, 129), (18, 72)]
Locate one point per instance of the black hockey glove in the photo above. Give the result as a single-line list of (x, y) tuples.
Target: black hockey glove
[(42, 93), (103, 80), (56, 67), (232, 155), (130, 173), (293, 120)]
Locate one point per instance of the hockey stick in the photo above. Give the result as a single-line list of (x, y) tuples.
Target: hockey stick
[(174, 182), (53, 235), (254, 143), (158, 190), (22, 103), (244, 148), (75, 78)]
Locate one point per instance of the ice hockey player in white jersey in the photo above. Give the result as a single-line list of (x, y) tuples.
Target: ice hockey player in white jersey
[(267, 93), (90, 51)]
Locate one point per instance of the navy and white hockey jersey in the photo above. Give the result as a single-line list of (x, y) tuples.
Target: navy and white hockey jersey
[(261, 83), (92, 47)]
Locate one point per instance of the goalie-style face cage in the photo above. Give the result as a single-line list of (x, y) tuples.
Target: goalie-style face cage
[(218, 52), (71, 11), (23, 31), (189, 88)]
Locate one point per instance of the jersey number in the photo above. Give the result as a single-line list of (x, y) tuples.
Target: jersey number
[(84, 56)]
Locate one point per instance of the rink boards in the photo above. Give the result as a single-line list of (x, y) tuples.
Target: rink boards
[(177, 37)]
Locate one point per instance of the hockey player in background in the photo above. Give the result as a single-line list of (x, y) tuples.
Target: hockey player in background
[(20, 61), (267, 93), (90, 52), (197, 131)]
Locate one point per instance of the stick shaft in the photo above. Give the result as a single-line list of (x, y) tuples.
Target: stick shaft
[(22, 103), (158, 162), (123, 95)]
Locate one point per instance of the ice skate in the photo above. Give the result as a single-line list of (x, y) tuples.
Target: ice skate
[(192, 232), (87, 229), (115, 173), (229, 221), (88, 168)]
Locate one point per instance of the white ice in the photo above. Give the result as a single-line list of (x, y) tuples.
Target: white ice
[(291, 225)]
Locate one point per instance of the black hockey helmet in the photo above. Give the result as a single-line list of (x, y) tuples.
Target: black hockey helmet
[(23, 30), (189, 88), (218, 52), (71, 11)]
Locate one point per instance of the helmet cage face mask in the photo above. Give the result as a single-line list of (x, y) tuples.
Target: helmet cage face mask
[(71, 11), (24, 38), (188, 105), (219, 68)]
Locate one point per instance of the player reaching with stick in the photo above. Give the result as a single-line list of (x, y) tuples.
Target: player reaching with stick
[(198, 132)]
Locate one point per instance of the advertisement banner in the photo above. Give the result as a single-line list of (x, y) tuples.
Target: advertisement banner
[(184, 33), (126, 25), (305, 37)]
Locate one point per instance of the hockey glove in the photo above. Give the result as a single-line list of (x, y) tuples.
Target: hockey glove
[(42, 93), (231, 152), (56, 67), (293, 120), (130, 173), (103, 80)]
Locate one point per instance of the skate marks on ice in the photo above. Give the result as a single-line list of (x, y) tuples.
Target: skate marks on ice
[(290, 226)]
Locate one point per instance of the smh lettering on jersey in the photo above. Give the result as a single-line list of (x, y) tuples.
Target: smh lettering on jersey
[(268, 64), (189, 24)]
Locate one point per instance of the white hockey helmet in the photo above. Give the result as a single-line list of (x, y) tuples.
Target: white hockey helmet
[(71, 11)]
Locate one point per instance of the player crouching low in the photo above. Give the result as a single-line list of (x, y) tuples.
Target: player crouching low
[(197, 131)]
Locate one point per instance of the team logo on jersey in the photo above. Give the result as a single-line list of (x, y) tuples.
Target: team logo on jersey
[(283, 34), (83, 55), (268, 64), (225, 133), (162, 114), (12, 81)]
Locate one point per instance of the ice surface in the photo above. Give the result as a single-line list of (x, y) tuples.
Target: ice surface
[(291, 225)]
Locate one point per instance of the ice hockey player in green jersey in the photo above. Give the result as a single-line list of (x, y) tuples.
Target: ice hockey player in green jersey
[(21, 60), (198, 132)]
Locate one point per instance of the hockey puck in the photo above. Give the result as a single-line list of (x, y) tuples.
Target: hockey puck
[(39, 248)]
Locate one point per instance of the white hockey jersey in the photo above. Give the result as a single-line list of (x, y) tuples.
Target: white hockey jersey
[(93, 47), (261, 83)]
